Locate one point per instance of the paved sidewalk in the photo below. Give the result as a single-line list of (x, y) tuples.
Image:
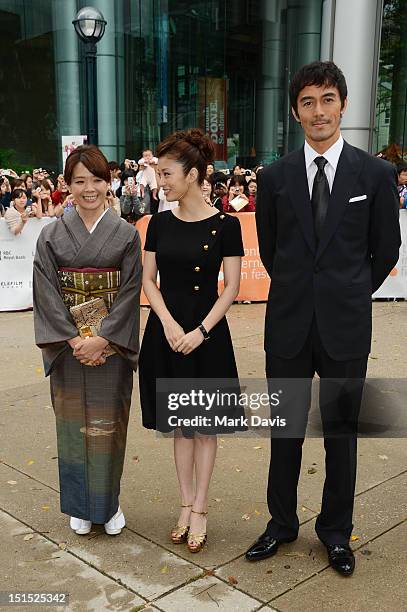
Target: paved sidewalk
[(142, 569)]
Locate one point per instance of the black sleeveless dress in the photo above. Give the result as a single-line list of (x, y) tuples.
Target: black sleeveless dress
[(189, 256)]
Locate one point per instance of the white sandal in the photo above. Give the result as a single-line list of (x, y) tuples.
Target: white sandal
[(80, 526), (116, 523)]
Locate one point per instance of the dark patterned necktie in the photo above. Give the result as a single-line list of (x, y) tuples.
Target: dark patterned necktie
[(320, 196)]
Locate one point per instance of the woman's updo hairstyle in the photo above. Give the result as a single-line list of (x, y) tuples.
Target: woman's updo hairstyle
[(192, 148)]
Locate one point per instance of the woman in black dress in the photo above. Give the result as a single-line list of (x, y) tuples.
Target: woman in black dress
[(187, 336)]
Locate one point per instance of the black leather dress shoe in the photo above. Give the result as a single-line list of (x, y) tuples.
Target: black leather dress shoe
[(266, 546), (341, 558)]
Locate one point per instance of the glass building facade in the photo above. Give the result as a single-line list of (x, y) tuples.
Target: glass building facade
[(391, 109), (164, 65)]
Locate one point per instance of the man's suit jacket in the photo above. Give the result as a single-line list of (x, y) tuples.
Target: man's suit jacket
[(358, 247)]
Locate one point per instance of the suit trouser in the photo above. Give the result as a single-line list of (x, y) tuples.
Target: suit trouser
[(341, 388)]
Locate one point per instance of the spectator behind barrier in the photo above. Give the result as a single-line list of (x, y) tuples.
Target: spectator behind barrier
[(218, 180), (206, 189), (402, 183), (115, 173), (237, 188), (62, 190), (5, 193), (128, 195), (42, 197), (28, 181), (210, 169), (18, 213), (252, 189)]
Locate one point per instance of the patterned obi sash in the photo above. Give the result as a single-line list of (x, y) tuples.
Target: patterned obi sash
[(80, 285)]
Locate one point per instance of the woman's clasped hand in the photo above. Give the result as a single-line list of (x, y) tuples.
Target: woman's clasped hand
[(90, 351), (179, 341)]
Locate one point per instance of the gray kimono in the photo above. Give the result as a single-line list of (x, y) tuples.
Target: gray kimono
[(91, 404)]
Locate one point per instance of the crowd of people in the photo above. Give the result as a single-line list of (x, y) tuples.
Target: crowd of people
[(132, 193)]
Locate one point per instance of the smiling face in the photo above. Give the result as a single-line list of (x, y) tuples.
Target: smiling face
[(206, 188), (172, 179), (19, 203), (45, 193), (88, 190), (319, 112)]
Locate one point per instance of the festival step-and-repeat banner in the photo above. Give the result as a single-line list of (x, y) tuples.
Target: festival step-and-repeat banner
[(17, 254), (255, 282), (16, 264)]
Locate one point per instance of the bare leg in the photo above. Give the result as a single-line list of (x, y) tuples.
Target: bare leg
[(184, 464), (204, 455)]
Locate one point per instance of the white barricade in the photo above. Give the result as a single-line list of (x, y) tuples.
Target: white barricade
[(17, 254), (395, 285), (16, 264)]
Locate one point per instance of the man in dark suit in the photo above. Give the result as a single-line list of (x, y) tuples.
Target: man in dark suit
[(328, 230)]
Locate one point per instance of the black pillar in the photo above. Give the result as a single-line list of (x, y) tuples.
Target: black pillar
[(91, 94)]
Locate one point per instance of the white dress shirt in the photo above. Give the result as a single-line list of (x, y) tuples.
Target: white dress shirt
[(331, 155)]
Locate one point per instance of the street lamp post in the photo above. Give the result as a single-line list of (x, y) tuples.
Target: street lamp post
[(90, 26)]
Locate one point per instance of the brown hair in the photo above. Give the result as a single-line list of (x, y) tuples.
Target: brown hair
[(18, 183), (17, 193), (92, 158), (192, 148), (320, 74), (44, 183)]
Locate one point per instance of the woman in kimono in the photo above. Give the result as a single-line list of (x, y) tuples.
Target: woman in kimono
[(89, 253)]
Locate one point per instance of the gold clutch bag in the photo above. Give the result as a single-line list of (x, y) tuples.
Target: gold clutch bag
[(88, 317)]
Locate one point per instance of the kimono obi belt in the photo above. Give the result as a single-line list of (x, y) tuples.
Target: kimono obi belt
[(79, 285)]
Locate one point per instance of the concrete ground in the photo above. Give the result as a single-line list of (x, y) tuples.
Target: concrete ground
[(141, 568)]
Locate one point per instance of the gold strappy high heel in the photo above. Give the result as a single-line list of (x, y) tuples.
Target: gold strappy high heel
[(179, 533), (196, 541)]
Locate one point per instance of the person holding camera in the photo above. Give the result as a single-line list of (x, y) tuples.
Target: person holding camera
[(237, 200), (220, 189), (18, 213), (41, 195), (128, 196), (60, 193)]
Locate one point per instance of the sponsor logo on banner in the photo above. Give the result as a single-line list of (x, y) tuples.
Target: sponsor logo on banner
[(16, 264)]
